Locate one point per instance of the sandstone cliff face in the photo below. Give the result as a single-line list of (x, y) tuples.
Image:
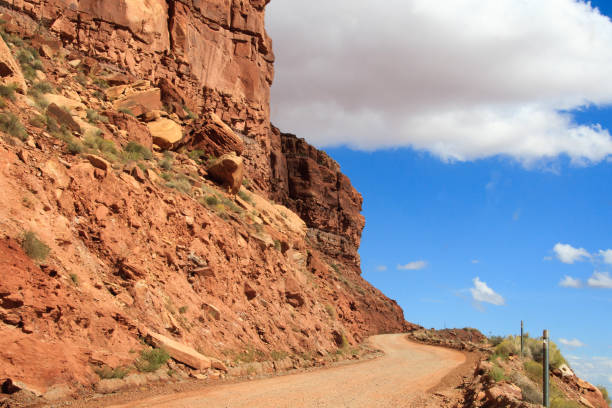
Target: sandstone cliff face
[(151, 245), (215, 51), (218, 54), (308, 181)]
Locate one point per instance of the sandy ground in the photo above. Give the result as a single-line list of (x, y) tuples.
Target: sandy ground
[(402, 378)]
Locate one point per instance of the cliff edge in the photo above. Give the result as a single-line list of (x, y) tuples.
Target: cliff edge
[(148, 204)]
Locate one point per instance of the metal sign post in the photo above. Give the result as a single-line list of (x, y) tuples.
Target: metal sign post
[(545, 375), (522, 341)]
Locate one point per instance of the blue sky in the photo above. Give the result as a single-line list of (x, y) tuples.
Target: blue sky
[(494, 220), (479, 199)]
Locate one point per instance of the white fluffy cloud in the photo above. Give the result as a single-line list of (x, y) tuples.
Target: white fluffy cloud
[(381, 268), (606, 255), (600, 280), (568, 254), (569, 282), (597, 370), (481, 292), (412, 266), (571, 343), (464, 80)]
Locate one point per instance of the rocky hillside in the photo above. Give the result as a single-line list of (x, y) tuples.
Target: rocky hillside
[(148, 203), (501, 377)]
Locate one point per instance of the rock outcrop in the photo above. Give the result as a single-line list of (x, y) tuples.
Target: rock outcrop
[(309, 182), (216, 52), (145, 241), (228, 170)]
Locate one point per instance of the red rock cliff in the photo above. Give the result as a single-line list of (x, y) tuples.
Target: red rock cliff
[(308, 181), (218, 53), (155, 246)]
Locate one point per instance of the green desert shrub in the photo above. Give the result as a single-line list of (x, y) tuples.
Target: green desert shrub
[(136, 152), (212, 200), (507, 347), (41, 88), (534, 370), (8, 91), (250, 355), (151, 360), (604, 393), (555, 358), (496, 340), (34, 247), (167, 162), (190, 114), (100, 82), (561, 402), (276, 355), (95, 141), (497, 374), (94, 117), (197, 155), (38, 121), (181, 184), (11, 38), (530, 391), (231, 205), (30, 62), (74, 278), (244, 195), (107, 372), (74, 147), (10, 124)]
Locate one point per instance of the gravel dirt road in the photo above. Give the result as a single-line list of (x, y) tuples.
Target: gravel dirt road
[(401, 378)]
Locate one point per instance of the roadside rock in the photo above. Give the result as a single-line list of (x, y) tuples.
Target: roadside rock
[(186, 354)]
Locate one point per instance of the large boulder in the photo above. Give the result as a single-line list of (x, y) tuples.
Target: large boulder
[(140, 102), (228, 170), (10, 71), (211, 135), (165, 132), (185, 354), (136, 131), (63, 117), (139, 97)]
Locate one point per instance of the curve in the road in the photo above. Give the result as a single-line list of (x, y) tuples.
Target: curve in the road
[(398, 379)]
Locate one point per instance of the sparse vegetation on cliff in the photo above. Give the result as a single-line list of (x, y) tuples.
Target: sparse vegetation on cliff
[(10, 124), (107, 372), (8, 91), (151, 360), (511, 345), (34, 247)]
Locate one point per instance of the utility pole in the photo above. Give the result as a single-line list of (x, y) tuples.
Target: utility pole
[(545, 375)]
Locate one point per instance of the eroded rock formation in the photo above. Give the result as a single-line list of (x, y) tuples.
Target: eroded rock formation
[(144, 242)]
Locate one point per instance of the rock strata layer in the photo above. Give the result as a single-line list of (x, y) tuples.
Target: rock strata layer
[(167, 201)]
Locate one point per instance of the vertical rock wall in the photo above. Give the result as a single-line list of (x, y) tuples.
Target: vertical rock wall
[(219, 55)]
